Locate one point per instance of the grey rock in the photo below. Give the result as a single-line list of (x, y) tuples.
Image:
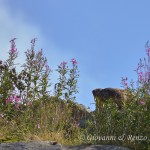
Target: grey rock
[(43, 145), (95, 147), (53, 145)]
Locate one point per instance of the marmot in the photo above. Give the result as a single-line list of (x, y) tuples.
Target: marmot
[(117, 95)]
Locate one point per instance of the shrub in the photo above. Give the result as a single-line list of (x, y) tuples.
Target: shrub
[(130, 126), (26, 107)]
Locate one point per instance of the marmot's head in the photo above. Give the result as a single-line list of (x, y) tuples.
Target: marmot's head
[(96, 92)]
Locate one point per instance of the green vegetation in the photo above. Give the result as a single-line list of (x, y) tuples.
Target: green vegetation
[(29, 112)]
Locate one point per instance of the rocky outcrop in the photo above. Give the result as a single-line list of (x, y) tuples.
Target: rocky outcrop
[(35, 145), (95, 147), (46, 145), (78, 113)]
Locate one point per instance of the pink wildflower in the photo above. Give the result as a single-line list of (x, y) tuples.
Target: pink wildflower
[(9, 100), (1, 115), (142, 102), (13, 99), (13, 50), (63, 63), (13, 46), (74, 61), (38, 126), (140, 76), (47, 67), (17, 99), (148, 51)]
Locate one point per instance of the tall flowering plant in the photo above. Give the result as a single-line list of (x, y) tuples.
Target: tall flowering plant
[(36, 77), (143, 71), (67, 85), (44, 81), (142, 88), (61, 85), (31, 82), (72, 88), (8, 73), (13, 54), (17, 88)]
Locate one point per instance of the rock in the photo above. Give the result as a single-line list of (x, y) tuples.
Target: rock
[(46, 145), (80, 113), (38, 145), (53, 142), (94, 147)]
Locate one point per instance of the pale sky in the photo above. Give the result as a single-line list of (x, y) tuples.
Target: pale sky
[(106, 37)]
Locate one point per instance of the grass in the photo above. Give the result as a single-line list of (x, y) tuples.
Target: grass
[(50, 119), (53, 119)]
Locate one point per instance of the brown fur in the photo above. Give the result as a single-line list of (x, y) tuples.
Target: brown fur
[(119, 96)]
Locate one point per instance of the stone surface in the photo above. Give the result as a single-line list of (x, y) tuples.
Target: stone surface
[(45, 145), (78, 111), (95, 147)]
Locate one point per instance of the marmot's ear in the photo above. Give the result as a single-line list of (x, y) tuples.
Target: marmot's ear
[(93, 92)]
